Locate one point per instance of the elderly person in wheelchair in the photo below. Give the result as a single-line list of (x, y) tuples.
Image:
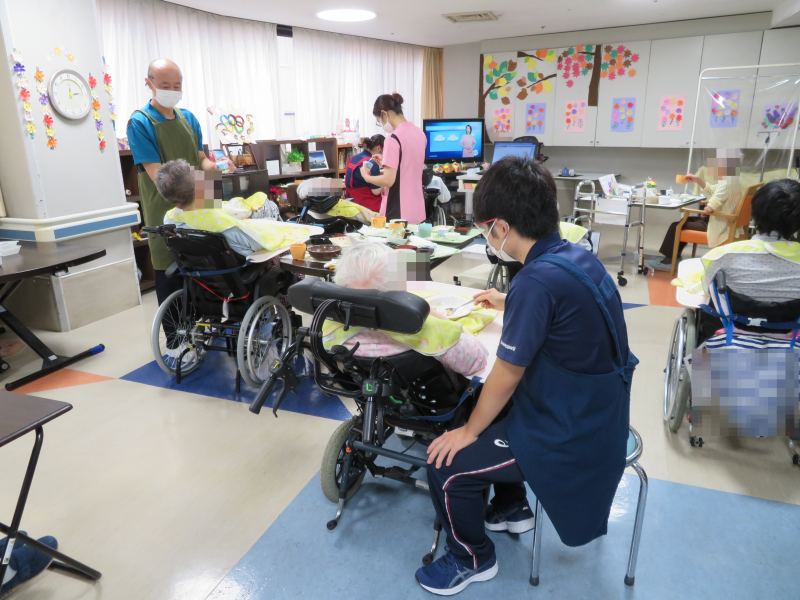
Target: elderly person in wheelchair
[(372, 265), (324, 205), (189, 190), (750, 325)]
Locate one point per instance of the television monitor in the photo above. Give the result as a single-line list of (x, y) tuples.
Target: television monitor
[(453, 139), (521, 149)]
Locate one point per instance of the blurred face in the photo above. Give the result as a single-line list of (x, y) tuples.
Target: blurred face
[(469, 129), (723, 167), (203, 185)]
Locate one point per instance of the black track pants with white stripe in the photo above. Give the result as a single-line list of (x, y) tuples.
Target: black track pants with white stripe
[(458, 492)]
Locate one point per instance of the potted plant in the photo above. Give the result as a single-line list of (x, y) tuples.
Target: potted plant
[(294, 161)]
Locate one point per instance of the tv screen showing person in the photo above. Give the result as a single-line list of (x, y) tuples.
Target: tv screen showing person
[(453, 139)]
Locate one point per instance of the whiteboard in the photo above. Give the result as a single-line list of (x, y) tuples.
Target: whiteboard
[(671, 92), (620, 110)]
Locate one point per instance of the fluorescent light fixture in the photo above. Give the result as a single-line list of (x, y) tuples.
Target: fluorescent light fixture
[(346, 15)]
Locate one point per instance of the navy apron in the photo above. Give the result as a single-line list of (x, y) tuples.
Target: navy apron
[(569, 431)]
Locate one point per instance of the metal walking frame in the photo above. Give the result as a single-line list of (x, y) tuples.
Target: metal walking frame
[(585, 212)]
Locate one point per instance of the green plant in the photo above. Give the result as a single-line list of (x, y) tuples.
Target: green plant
[(295, 156)]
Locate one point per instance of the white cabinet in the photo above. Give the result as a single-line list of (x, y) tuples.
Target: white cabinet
[(726, 97), (534, 94), (621, 105), (577, 92), (777, 92), (671, 92)]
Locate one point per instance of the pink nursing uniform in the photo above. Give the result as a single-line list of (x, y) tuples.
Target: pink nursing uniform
[(404, 150)]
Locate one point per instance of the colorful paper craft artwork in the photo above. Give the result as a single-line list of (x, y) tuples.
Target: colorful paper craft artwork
[(671, 114), (575, 116), (725, 109), (780, 115), (535, 115), (623, 111), (502, 120)]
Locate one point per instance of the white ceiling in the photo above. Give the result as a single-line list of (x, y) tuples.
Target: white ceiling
[(421, 21)]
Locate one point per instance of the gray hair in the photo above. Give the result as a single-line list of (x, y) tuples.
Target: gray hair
[(369, 265), (175, 182)]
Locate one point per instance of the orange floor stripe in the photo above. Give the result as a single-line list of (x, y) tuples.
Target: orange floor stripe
[(61, 379), (662, 293)]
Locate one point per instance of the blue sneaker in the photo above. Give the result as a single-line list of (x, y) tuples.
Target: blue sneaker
[(447, 576), (517, 519), (25, 562)]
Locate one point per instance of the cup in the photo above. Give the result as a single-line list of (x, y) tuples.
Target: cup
[(298, 251), (680, 179), (379, 222), (425, 230), (396, 227), (403, 222)]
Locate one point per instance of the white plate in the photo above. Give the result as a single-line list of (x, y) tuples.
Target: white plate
[(440, 304)]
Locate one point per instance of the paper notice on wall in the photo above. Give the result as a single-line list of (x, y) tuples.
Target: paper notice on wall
[(575, 116), (671, 113)]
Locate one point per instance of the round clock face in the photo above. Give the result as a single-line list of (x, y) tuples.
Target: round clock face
[(69, 94)]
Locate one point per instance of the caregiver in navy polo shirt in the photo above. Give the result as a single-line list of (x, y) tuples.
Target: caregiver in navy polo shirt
[(564, 364), (158, 133)]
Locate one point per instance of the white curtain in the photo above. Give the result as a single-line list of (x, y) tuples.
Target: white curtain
[(339, 76), (227, 63)]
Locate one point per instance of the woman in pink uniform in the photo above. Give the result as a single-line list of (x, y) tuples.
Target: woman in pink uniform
[(403, 162)]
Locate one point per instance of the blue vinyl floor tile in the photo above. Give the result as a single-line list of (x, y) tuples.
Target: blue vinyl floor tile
[(216, 377), (696, 543)]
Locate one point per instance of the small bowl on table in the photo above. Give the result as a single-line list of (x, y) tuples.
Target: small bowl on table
[(324, 252)]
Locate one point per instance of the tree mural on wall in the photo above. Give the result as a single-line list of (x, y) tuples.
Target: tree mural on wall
[(607, 62), (535, 82), (496, 78)]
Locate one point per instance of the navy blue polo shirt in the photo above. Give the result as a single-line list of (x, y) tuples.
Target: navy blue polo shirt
[(549, 310), (357, 178)]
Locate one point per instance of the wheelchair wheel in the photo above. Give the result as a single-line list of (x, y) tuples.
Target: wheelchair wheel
[(174, 315), (677, 373), (330, 473), (498, 278), (265, 332)]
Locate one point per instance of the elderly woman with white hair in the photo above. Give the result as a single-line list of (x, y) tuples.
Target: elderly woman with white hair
[(372, 265)]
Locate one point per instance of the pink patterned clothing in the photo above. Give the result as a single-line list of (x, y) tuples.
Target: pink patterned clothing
[(467, 357)]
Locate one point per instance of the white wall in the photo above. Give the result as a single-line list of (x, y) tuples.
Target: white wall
[(461, 90), (461, 72), (76, 176)]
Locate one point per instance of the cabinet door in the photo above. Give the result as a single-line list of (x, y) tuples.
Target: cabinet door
[(671, 92), (623, 82), (577, 88), (534, 94), (777, 93), (726, 97)]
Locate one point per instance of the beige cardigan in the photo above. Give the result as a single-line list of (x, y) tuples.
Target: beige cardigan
[(723, 196)]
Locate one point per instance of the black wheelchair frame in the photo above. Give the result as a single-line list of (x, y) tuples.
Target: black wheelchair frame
[(427, 402), (214, 275)]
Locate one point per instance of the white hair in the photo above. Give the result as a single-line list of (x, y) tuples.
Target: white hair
[(369, 265)]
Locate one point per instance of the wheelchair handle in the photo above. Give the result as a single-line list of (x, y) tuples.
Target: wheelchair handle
[(721, 282), (263, 394), (280, 399)]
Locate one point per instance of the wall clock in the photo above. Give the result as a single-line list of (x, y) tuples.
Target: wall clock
[(69, 94)]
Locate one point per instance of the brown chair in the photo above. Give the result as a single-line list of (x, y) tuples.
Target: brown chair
[(740, 220)]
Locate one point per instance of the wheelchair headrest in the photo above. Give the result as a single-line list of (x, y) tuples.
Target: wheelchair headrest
[(400, 312), (321, 204)]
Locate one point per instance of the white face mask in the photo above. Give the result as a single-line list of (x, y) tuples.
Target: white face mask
[(168, 98), (387, 127), (499, 253)]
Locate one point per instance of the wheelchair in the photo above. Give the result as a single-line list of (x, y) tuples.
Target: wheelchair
[(225, 304), (409, 392), (314, 212), (695, 332)]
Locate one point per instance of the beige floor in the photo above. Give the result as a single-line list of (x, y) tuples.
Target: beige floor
[(164, 491)]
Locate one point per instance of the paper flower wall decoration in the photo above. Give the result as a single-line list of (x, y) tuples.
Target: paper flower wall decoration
[(44, 105), (98, 118), (23, 93)]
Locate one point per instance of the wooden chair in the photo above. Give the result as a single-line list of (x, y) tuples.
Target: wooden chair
[(740, 220)]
